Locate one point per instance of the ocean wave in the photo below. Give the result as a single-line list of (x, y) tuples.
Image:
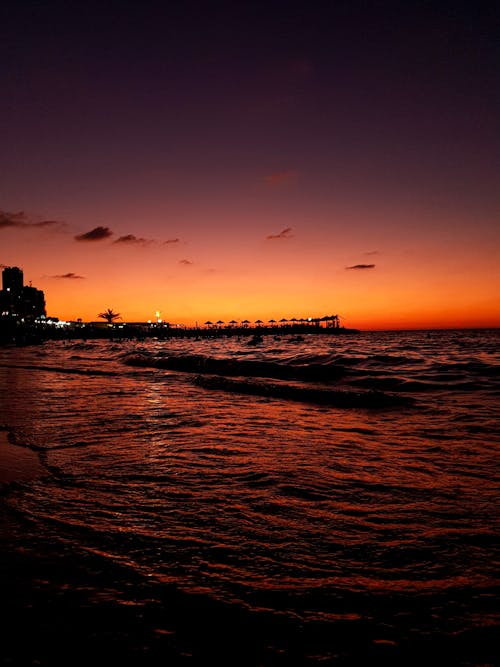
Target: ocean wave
[(60, 369), (471, 367), (324, 396), (417, 384), (196, 363)]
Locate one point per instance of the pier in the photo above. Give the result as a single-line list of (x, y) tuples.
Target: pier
[(17, 333)]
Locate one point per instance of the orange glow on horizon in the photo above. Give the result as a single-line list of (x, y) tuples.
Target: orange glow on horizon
[(417, 281), (394, 309)]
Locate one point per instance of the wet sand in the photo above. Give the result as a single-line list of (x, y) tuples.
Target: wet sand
[(17, 464)]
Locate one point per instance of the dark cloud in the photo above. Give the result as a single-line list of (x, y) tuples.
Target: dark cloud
[(132, 239), (69, 276), (12, 219), (371, 253), (285, 234), (360, 267), (139, 240), (20, 220), (96, 234), (186, 262)]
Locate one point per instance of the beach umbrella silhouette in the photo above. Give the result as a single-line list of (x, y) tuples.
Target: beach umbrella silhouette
[(233, 322), (283, 320), (219, 322), (272, 321), (259, 322), (245, 322), (209, 323)]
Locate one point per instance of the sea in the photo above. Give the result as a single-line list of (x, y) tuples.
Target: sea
[(291, 500)]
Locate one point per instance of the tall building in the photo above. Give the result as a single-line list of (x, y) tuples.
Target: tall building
[(18, 301), (12, 280), (33, 302)]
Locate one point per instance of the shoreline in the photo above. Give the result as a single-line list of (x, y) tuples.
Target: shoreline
[(17, 463)]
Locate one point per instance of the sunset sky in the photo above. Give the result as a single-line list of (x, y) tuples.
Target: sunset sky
[(253, 160)]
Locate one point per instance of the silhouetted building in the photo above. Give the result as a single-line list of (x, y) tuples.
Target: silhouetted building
[(12, 280), (18, 301), (33, 302)]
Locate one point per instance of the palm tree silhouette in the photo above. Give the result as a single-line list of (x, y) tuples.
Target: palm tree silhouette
[(109, 315)]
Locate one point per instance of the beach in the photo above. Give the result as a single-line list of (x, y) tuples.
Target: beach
[(17, 464), (186, 502)]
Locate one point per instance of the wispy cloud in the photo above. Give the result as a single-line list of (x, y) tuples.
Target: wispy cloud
[(360, 267), (370, 253), (47, 223), (185, 262), (12, 219), (132, 239), (96, 234), (69, 276), (20, 220), (284, 234), (281, 178)]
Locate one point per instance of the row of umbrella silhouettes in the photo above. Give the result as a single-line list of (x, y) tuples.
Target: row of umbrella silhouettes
[(284, 320)]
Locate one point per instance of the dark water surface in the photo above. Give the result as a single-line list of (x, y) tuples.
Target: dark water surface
[(326, 501)]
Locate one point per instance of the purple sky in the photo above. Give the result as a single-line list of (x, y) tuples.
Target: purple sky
[(216, 123)]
